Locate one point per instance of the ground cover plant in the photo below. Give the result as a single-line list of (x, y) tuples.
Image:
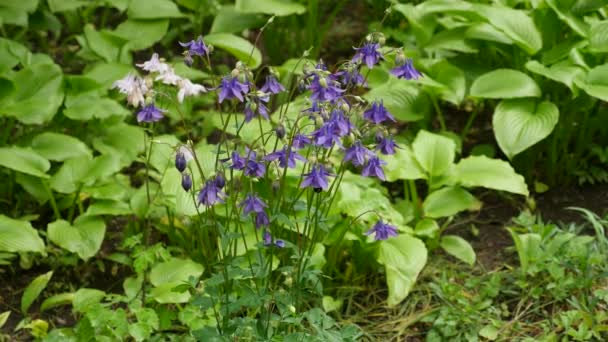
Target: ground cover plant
[(216, 170)]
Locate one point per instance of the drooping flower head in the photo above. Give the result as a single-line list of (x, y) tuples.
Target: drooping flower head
[(186, 182), (373, 168), (220, 181), (261, 220), (252, 204), (268, 240), (238, 162), (300, 141), (341, 123), (169, 77), (368, 54), (154, 65), (327, 135), (350, 77), (150, 114), (180, 161), (386, 145), (324, 89), (232, 88), (378, 113), (316, 178), (256, 107), (210, 194), (134, 87), (382, 231), (407, 71), (253, 168), (272, 85), (357, 154), (187, 88), (196, 48), (287, 158)]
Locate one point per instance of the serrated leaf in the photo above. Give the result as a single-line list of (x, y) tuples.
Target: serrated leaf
[(33, 290), (19, 236), (489, 173), (504, 83), (458, 248), (237, 46), (449, 201), (519, 124)]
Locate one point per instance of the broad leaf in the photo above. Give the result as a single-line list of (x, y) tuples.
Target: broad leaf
[(596, 83), (449, 201), (237, 46), (504, 83), (563, 12), (403, 258), (458, 248), (153, 9), (19, 236), (167, 275), (515, 24), (565, 73), (56, 300), (528, 248), (59, 147), (454, 80), (230, 20), (403, 100), (598, 40), (519, 124), (86, 107), (402, 165), (24, 160), (489, 173), (272, 7), (33, 290), (141, 34), (434, 152), (83, 238), (485, 31), (65, 5), (85, 298)]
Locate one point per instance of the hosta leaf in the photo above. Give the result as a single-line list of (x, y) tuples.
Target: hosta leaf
[(434, 152), (598, 40), (451, 40), (230, 20), (402, 99), (485, 31), (237, 46), (24, 160), (33, 290), (596, 83), (454, 80), (141, 34), (576, 23), (504, 83), (19, 236), (423, 26), (272, 7), (564, 73), (458, 248), (403, 258), (516, 24), (449, 201), (86, 107), (153, 9), (402, 165), (489, 173), (519, 124), (83, 238), (167, 275), (59, 147)]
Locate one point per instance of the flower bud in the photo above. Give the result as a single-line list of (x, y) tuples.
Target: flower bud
[(276, 185), (235, 72), (188, 59), (292, 309), (323, 82), (220, 181), (400, 57), (186, 182), (319, 121), (180, 161), (280, 131), (210, 48), (288, 281)]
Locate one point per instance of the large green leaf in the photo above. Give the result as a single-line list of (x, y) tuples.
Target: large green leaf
[(519, 124), (452, 78), (59, 147), (403, 99), (515, 24), (434, 152), (230, 20), (449, 201), (577, 24), (11, 54), (141, 34), (422, 25), (84, 171), (451, 40), (489, 173), (598, 40), (83, 238), (153, 9), (88, 106), (504, 83), (38, 94), (167, 275), (403, 258), (272, 7), (237, 46), (16, 12), (596, 83), (65, 5), (402, 165), (24, 160), (459, 248), (33, 290), (103, 43), (485, 31), (19, 236), (565, 73)]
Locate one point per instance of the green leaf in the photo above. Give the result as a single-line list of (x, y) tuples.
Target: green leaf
[(458, 248), (403, 258), (402, 165), (504, 83), (519, 124), (38, 94), (19, 236), (562, 10), (85, 298), (272, 7), (83, 238), (237, 46), (153, 9), (108, 207), (434, 152), (167, 275), (598, 39), (449, 201), (141, 34), (230, 20), (489, 332), (59, 147), (565, 73), (485, 31), (422, 25), (65, 5), (451, 40), (331, 304), (489, 173), (596, 83), (56, 300), (107, 73), (24, 160), (103, 43), (77, 171), (16, 12), (452, 78), (33, 290), (4, 317), (427, 228), (403, 100), (515, 24), (11, 54), (528, 247), (86, 107)]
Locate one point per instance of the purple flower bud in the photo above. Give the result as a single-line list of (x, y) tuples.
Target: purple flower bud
[(386, 145), (186, 182), (220, 181), (280, 131), (279, 243), (180, 161), (150, 114), (261, 220), (382, 231)]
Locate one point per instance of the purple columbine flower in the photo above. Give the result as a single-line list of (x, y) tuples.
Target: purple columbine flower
[(186, 182), (180, 161), (196, 48), (327, 135), (314, 108), (150, 114), (210, 194), (300, 141), (256, 108), (238, 162), (407, 71), (369, 54), (357, 154), (316, 178), (252, 204), (287, 158), (382, 231), (341, 123), (350, 78), (386, 145), (272, 85), (253, 168), (374, 168), (324, 89), (220, 181), (378, 113), (232, 88), (261, 220), (268, 240)]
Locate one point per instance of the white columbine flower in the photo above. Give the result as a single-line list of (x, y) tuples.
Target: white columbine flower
[(155, 65), (185, 150), (134, 87), (187, 88), (168, 77)]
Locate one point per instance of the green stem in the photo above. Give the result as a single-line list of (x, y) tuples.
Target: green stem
[(439, 113), (52, 200)]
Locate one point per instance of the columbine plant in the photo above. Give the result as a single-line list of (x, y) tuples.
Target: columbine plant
[(266, 203)]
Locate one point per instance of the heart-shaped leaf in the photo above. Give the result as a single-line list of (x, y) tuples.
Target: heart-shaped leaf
[(19, 236), (83, 238), (489, 173), (504, 84)]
